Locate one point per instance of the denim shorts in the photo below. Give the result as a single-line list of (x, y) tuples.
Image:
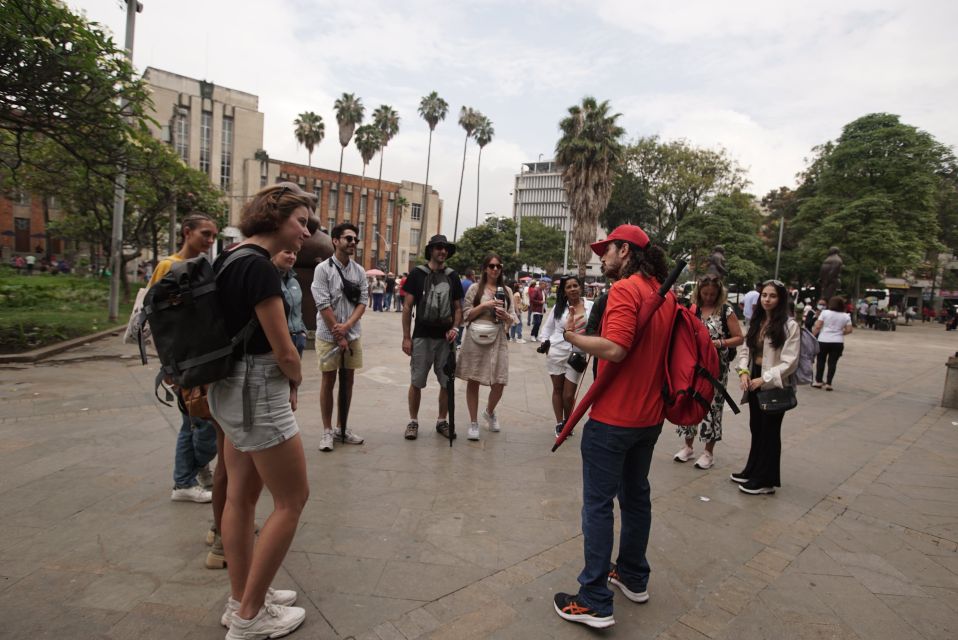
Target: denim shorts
[(272, 419)]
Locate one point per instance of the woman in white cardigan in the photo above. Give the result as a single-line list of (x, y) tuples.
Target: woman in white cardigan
[(768, 358)]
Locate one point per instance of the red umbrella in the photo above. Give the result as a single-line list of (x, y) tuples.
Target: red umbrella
[(609, 371)]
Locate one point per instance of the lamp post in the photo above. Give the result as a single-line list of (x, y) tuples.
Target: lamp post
[(778, 254)]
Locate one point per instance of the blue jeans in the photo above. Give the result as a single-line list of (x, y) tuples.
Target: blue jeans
[(377, 302), (515, 331), (615, 463), (387, 301), (299, 340), (195, 448)]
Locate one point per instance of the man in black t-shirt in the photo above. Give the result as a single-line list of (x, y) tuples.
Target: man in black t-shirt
[(435, 291)]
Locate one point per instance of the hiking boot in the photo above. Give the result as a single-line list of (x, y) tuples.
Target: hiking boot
[(705, 461), (205, 477), (492, 420), (568, 607), (684, 454), (326, 442), (351, 438), (215, 558), (272, 621), (634, 596), (282, 597), (412, 430), (473, 431), (196, 493), (442, 428)]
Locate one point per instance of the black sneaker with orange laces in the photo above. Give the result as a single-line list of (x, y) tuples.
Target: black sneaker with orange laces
[(616, 579), (568, 607)]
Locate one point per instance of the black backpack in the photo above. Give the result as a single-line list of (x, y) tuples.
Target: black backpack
[(435, 308), (186, 321)]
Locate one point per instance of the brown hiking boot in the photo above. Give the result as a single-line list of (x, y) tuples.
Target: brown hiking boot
[(412, 430)]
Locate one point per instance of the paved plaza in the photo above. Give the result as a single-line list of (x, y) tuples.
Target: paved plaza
[(419, 540)]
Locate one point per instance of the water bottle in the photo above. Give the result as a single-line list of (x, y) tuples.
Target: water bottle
[(501, 296)]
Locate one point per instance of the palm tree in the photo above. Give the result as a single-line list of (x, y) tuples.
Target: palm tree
[(349, 115), (432, 109), (588, 151), (368, 141), (310, 131), (484, 134), (386, 120), (469, 119)]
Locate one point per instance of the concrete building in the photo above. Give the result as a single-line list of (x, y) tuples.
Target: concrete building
[(538, 193), (392, 227), (215, 129)]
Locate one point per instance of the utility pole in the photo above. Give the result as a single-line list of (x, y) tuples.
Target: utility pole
[(119, 195)]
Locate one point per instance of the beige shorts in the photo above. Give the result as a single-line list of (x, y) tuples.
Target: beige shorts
[(354, 357)]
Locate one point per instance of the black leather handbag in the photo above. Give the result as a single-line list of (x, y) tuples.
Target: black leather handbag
[(776, 400)]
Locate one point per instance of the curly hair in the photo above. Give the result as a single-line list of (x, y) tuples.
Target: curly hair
[(650, 262), (272, 206)]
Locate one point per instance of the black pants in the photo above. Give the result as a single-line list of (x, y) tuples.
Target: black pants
[(765, 454), (828, 352)]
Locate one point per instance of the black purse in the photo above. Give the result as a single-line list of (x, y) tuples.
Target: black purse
[(578, 362), (776, 400)]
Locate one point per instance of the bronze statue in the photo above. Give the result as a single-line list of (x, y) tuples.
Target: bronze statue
[(315, 249), (829, 278), (717, 262)]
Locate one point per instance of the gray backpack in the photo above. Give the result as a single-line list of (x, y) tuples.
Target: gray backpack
[(808, 349), (435, 305)]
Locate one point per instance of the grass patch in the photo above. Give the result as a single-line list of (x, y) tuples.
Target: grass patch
[(43, 309)]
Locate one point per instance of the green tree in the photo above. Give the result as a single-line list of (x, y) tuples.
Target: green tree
[(386, 120), (349, 115), (61, 78), (493, 235), (484, 134), (629, 204), (589, 151), (541, 245), (432, 109), (309, 131), (469, 120)]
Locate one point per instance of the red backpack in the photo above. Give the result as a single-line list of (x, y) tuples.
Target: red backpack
[(691, 371)]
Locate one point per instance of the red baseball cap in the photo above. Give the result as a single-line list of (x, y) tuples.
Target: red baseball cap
[(628, 232)]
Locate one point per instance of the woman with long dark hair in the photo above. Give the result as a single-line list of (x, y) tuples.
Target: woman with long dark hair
[(768, 358), (254, 406), (484, 359), (564, 362)]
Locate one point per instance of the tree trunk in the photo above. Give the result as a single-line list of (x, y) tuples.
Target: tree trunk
[(379, 187), (462, 174), (478, 166), (425, 186), (46, 226), (341, 152)]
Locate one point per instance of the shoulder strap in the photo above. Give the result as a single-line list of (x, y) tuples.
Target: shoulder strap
[(235, 255), (424, 269)]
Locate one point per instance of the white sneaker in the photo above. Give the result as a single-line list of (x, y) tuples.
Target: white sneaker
[(326, 442), (205, 477), (196, 493), (473, 431), (283, 597), (492, 420), (705, 461), (520, 341), (684, 454), (272, 621), (351, 438)]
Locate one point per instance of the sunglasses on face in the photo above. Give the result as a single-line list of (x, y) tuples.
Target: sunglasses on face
[(349, 239), (494, 266)]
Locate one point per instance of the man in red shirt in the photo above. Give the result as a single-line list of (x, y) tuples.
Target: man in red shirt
[(623, 427), (537, 298)]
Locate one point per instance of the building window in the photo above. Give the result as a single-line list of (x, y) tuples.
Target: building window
[(333, 202), (414, 240), (331, 221), (389, 209), (389, 234), (416, 211), (375, 251), (318, 188), (362, 230), (362, 205), (206, 141), (376, 208), (359, 255), (348, 205), (226, 153), (181, 134)]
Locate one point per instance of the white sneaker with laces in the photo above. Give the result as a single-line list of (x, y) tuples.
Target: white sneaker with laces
[(492, 420), (705, 461), (351, 438), (326, 442), (272, 621), (520, 341), (684, 454), (473, 431), (283, 597), (196, 493)]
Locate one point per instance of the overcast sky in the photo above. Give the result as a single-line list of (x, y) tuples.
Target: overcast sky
[(766, 80)]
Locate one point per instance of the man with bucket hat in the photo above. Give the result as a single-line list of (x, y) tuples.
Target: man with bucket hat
[(623, 427), (435, 292)]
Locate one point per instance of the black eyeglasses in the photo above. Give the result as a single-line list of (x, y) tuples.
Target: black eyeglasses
[(494, 266), (349, 239)]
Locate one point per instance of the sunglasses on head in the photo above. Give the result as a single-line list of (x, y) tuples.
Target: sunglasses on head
[(777, 283), (493, 266)]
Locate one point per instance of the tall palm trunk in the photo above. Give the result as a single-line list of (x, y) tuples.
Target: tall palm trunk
[(425, 199), (379, 187), (478, 166), (462, 175), (342, 150)]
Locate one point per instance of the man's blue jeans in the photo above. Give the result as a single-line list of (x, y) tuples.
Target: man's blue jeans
[(387, 302), (195, 448), (615, 463)]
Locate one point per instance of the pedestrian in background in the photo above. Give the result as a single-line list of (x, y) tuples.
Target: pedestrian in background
[(537, 306), (515, 332), (832, 326), (390, 291), (285, 261), (378, 290)]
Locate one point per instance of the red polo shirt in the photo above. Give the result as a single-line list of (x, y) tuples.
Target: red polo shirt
[(633, 398)]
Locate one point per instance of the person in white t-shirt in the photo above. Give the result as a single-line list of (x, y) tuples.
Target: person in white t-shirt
[(832, 326)]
